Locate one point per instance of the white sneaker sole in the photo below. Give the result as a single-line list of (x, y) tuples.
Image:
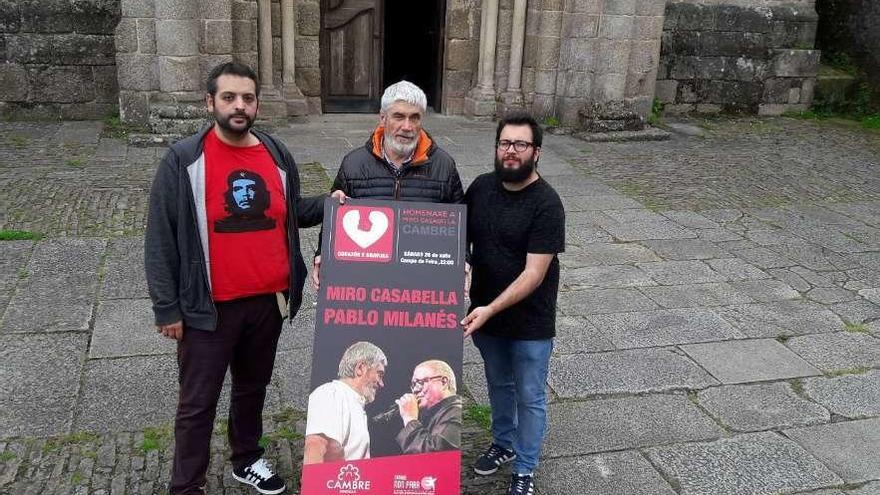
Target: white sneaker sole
[(251, 483)]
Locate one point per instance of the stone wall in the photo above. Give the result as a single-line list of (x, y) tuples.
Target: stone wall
[(461, 53), (58, 58), (753, 57), (852, 27), (307, 52)]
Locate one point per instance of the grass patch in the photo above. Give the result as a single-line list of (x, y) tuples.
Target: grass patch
[(656, 112), (264, 441), (797, 386), (852, 327), (18, 141), (57, 443), (114, 127), (847, 371), (782, 338), (75, 162), (76, 478), (551, 121), (287, 433), (19, 235), (7, 456), (155, 439), (482, 415)]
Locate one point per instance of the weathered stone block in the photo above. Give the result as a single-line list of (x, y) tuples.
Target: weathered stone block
[(179, 74), (217, 37), (795, 63), (176, 9), (215, 9), (106, 84), (208, 62), (647, 28), (693, 17), (13, 82), (580, 25), (126, 36), (137, 72), (308, 50), (552, 5), (276, 19), (744, 19), (146, 34), (666, 90), (95, 16), (808, 89), (244, 10), (643, 56), (651, 8), (741, 45), (617, 27), (244, 36), (309, 81), (551, 24), (580, 55), (620, 7), (711, 68), (309, 19), (689, 91), (134, 107), (641, 85), (47, 16), (248, 58), (736, 95), (709, 108), (460, 54), (178, 38), (578, 84), (62, 84), (776, 90), (138, 8), (457, 83), (87, 111), (609, 87), (745, 69), (545, 82), (70, 49), (586, 6), (612, 57), (10, 16), (690, 43)]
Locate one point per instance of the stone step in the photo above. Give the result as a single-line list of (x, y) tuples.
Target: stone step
[(834, 86)]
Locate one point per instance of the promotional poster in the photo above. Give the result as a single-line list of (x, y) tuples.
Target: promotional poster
[(384, 414)]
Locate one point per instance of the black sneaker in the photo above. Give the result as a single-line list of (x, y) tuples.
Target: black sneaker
[(521, 484), (260, 476), (491, 459)]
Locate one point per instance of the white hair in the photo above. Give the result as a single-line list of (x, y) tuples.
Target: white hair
[(360, 352), (442, 369), (404, 91)]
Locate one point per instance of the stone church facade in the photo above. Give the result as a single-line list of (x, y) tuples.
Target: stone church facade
[(586, 64)]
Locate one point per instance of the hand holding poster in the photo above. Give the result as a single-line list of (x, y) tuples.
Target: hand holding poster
[(384, 415)]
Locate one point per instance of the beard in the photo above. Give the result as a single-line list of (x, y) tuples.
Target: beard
[(226, 124), (402, 149), (514, 175)]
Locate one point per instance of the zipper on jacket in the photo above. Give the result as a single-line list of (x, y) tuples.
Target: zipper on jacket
[(397, 187)]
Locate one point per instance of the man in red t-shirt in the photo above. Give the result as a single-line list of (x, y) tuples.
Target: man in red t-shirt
[(224, 268)]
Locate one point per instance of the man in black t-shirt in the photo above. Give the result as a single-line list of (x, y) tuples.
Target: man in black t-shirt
[(516, 226)]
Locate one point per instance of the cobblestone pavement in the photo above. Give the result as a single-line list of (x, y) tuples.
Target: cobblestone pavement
[(718, 326)]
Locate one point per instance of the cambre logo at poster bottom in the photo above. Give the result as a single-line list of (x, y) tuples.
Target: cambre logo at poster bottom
[(349, 481)]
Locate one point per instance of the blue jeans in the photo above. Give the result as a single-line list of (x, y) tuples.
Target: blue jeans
[(516, 374)]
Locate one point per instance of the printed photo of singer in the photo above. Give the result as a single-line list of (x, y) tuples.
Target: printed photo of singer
[(376, 405)]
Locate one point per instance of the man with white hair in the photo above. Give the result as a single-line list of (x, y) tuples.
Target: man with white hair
[(400, 161), (336, 425)]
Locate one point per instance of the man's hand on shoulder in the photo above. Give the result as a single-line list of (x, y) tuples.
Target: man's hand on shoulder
[(172, 330)]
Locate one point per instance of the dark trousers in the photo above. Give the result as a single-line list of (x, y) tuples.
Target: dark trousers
[(244, 342)]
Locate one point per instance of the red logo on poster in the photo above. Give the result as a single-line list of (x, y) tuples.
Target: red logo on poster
[(364, 233)]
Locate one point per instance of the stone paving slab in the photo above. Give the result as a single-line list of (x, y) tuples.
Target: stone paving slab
[(605, 277), (474, 381), (619, 372), (749, 361), (616, 473), (663, 327), (681, 272), (837, 351), (868, 489), (766, 290), (688, 249), (124, 327), (13, 260), (292, 376), (850, 449), (577, 428), (781, 318), (697, 295), (749, 464), (607, 254), (574, 334), (851, 396), (762, 406), (39, 380), (124, 269), (59, 290), (597, 301), (736, 269)]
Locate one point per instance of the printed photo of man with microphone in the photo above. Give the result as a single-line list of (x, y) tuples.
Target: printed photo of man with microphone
[(431, 413)]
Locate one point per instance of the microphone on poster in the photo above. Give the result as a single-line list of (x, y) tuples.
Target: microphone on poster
[(387, 415)]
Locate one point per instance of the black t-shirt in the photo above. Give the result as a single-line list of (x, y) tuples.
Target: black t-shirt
[(503, 226)]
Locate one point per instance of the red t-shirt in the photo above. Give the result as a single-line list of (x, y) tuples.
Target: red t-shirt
[(247, 214)]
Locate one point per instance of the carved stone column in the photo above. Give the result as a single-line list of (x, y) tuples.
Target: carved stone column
[(513, 97), (271, 104), (293, 97), (480, 101)]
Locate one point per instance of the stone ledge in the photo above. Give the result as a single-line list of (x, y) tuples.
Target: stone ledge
[(648, 134)]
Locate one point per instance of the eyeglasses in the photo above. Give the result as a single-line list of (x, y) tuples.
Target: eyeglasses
[(419, 383), (519, 146)]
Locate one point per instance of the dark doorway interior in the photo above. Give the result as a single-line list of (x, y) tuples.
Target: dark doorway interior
[(414, 33)]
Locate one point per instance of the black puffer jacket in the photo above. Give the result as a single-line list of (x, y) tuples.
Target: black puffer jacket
[(430, 177)]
